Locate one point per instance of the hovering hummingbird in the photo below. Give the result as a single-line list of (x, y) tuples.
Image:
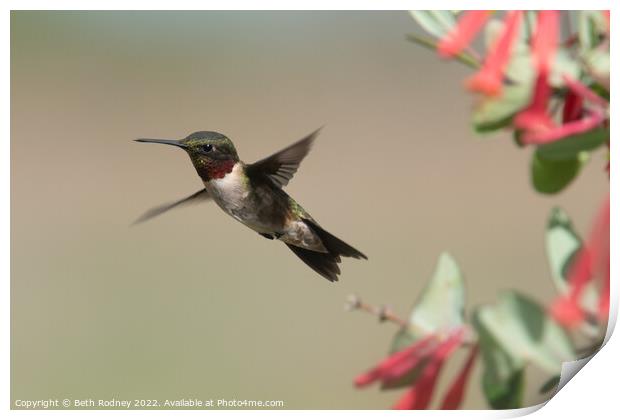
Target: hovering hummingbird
[(253, 195)]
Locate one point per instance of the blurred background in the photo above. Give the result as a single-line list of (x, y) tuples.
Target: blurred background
[(193, 304)]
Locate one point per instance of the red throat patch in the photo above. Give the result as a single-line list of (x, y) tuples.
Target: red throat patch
[(219, 169)]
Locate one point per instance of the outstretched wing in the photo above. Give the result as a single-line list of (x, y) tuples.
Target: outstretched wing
[(197, 197), (280, 167)]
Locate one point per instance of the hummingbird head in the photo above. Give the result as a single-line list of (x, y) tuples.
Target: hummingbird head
[(212, 154)]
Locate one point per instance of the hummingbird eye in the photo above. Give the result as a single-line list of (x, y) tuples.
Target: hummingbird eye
[(207, 148)]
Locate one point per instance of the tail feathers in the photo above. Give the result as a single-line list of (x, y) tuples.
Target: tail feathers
[(326, 263), (333, 244)]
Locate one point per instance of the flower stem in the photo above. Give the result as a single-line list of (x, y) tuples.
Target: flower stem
[(385, 313), (466, 58)]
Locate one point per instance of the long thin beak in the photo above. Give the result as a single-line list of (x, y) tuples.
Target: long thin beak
[(160, 141)]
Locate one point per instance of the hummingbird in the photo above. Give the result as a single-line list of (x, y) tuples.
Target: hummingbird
[(253, 195)]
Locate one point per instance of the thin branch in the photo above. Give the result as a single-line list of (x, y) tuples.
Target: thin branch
[(465, 57), (384, 313), (474, 54)]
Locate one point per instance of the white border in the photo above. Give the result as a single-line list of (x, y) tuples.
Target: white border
[(593, 393)]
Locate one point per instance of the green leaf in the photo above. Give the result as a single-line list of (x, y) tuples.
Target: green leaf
[(598, 62), (550, 385), (530, 23), (504, 395), (502, 376), (517, 137), (492, 30), (408, 379), (520, 68), (403, 338), (494, 113), (494, 27), (561, 242), (525, 333), (446, 19), (551, 176), (569, 147), (599, 21), (564, 64), (442, 302), (591, 25), (585, 31), (436, 23), (440, 306), (600, 90)]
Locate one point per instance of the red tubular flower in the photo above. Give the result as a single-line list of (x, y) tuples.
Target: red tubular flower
[(575, 119), (397, 364), (454, 396), (428, 349), (581, 90), (545, 41), (419, 395), (408, 400), (489, 80), (603, 303), (535, 117), (463, 33), (601, 253), (589, 122), (567, 309), (573, 107), (591, 261), (408, 365)]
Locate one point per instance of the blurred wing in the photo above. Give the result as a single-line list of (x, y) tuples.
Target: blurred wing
[(280, 167), (197, 197)]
